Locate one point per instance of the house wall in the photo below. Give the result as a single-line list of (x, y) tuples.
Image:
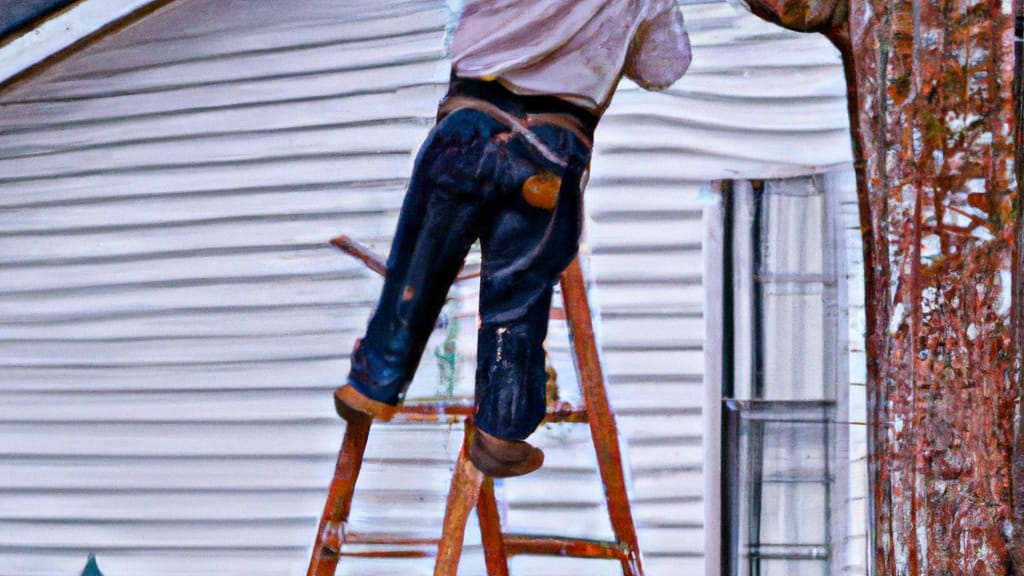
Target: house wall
[(173, 321)]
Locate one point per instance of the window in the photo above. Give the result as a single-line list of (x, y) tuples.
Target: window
[(784, 473)]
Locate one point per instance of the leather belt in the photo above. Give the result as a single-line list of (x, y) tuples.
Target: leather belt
[(520, 125)]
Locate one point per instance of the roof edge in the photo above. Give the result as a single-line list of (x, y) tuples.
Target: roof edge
[(64, 32)]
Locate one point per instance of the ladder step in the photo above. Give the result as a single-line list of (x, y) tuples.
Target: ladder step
[(514, 544), (392, 546), (384, 539), (391, 554), (458, 407), (562, 546)]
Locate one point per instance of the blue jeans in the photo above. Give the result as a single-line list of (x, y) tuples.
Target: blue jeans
[(467, 184)]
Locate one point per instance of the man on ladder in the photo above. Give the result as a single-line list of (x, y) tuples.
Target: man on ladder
[(506, 164)]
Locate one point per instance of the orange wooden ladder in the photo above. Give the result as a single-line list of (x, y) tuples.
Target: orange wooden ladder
[(472, 489)]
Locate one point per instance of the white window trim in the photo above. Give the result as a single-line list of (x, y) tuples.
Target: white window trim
[(713, 248), (61, 31)]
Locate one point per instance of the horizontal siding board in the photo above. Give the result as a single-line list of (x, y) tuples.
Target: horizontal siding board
[(675, 564), (648, 198), (234, 294), (340, 70), (655, 133), (207, 176), (196, 22), (247, 376), (214, 68), (590, 521), (684, 158), (622, 295), (112, 278), (223, 476), (728, 112), (130, 439), (270, 562), (168, 406), (279, 535), (209, 326), (382, 138), (627, 398), (555, 566), (672, 541), (684, 510), (655, 458), (668, 231), (783, 51), (682, 332), (643, 267), (189, 99), (282, 117), (638, 364), (666, 428), (74, 505), (774, 87), (668, 485), (149, 245), (338, 31), (143, 353)]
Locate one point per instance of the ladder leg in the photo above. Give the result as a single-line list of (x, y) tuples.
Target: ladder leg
[(462, 498), (602, 421), (490, 530), (330, 535)]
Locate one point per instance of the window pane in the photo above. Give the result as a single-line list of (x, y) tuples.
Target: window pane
[(793, 514), (778, 457), (792, 237), (794, 568), (794, 450), (794, 350)]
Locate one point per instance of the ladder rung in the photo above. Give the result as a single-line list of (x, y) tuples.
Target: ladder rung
[(461, 407), (514, 544), (391, 554), (565, 412), (560, 546), (381, 539), (397, 546)]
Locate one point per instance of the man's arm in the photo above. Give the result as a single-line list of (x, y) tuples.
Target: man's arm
[(660, 51)]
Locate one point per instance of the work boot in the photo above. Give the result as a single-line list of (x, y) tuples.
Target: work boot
[(350, 401), (503, 458)]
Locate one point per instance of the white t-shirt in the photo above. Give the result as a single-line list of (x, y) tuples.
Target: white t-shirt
[(574, 49)]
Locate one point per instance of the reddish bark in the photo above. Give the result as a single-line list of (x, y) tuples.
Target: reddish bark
[(931, 106)]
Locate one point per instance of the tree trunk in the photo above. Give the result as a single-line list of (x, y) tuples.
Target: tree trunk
[(932, 116)]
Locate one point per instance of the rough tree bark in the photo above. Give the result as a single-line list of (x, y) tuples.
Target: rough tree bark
[(932, 118)]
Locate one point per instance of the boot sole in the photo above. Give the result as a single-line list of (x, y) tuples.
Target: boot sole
[(348, 400), (496, 467)]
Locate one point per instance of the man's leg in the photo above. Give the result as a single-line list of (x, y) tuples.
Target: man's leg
[(437, 226), (511, 378), (526, 246)]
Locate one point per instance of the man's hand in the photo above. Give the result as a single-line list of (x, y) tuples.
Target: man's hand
[(802, 15)]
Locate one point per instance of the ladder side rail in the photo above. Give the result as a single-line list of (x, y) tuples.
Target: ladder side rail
[(602, 421)]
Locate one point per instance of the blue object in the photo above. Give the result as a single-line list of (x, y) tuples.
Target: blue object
[(15, 14), (91, 568)]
